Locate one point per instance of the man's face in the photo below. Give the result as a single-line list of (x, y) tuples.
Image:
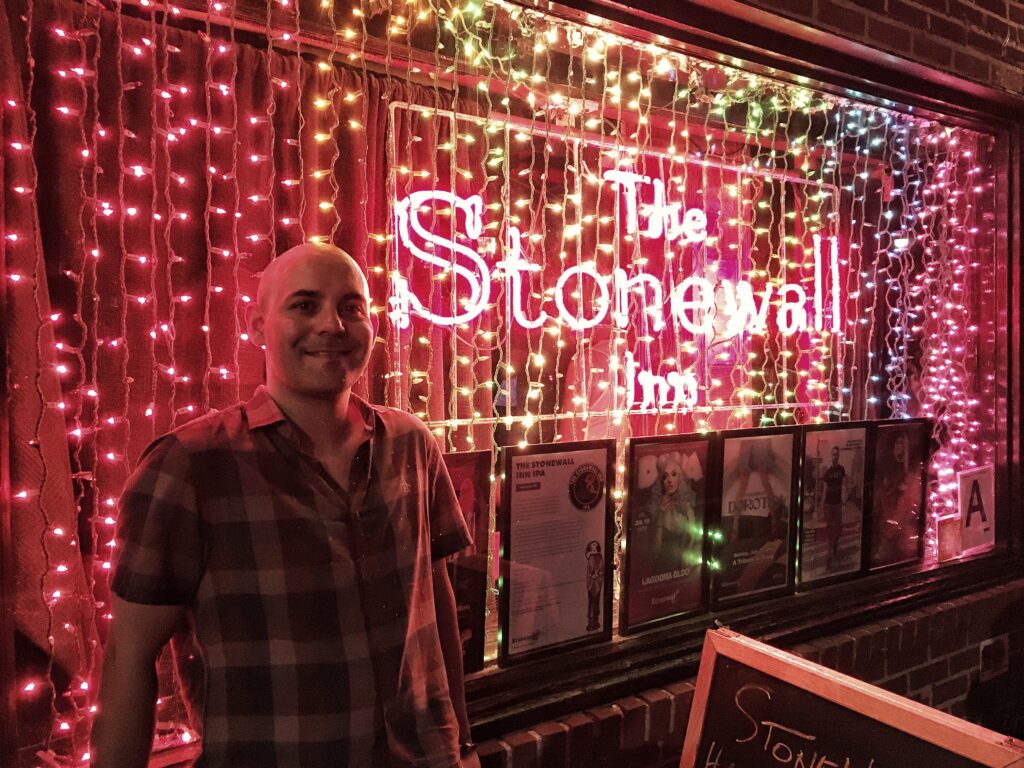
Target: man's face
[(835, 456), (315, 325)]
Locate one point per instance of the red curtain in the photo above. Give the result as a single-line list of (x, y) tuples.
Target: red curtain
[(165, 164)]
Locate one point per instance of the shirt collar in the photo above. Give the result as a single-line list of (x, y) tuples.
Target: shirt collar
[(263, 411)]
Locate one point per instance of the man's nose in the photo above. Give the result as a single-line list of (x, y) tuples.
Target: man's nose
[(330, 321)]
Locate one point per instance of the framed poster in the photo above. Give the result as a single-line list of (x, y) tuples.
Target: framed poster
[(471, 477), (557, 526), (832, 502), (977, 498), (896, 524), (757, 491), (663, 525)]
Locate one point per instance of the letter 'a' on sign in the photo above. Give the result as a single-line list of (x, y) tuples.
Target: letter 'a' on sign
[(759, 707)]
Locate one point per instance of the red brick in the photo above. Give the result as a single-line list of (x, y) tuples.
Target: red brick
[(643, 756), (829, 654), (850, 20), (980, 42), (932, 673), (1017, 642), (580, 740), (912, 650), (554, 743), (797, 8), (844, 654), (891, 36), (802, 9), (868, 662), (931, 50), (1009, 79), (908, 14), (493, 754), (682, 700), (997, 27), (950, 689), (806, 651), (1016, 13), (608, 734), (923, 696), (997, 7), (670, 754), (1013, 55), (897, 685), (659, 705), (946, 29), (634, 722), (964, 660), (524, 749), (966, 13), (948, 632)]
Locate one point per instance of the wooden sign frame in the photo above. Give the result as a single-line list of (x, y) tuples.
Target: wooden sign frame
[(959, 737)]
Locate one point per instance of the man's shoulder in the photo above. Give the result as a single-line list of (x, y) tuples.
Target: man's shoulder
[(216, 429), (400, 424)]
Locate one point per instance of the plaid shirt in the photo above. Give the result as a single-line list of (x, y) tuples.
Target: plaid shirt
[(312, 605)]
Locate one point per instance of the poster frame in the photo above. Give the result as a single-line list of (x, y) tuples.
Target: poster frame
[(870, 522), (866, 501), (480, 549), (507, 539), (718, 533), (711, 501)]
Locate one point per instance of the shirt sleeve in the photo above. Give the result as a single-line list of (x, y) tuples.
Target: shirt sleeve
[(448, 530), (159, 554)]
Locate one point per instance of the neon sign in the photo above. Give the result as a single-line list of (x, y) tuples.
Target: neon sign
[(692, 303)]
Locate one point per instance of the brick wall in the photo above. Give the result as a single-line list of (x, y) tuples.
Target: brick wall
[(932, 655), (979, 40)]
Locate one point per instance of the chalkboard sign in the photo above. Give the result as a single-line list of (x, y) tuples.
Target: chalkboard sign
[(758, 707)]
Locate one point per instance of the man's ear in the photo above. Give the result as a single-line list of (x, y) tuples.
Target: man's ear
[(254, 321)]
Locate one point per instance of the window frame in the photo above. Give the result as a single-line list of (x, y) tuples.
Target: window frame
[(502, 700)]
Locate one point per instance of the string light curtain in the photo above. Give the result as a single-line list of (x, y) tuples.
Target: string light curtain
[(568, 234)]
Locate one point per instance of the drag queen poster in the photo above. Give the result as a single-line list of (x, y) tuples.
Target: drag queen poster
[(663, 572), (756, 522), (898, 491)]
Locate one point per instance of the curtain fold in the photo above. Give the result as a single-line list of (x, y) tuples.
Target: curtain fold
[(53, 610)]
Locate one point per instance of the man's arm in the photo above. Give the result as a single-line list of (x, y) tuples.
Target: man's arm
[(123, 733), (451, 645)]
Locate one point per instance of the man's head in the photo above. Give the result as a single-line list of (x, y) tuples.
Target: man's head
[(312, 316), (835, 454)]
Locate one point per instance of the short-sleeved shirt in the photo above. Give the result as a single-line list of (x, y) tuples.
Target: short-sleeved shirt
[(312, 605)]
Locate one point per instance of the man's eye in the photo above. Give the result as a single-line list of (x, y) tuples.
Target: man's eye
[(305, 306)]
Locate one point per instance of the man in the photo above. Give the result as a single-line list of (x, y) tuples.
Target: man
[(832, 483), (304, 534)]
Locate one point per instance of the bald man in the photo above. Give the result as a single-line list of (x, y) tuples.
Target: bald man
[(303, 534)]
